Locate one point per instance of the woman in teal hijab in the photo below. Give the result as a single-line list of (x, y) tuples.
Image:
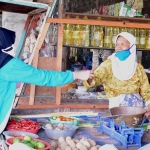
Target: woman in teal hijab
[(13, 70)]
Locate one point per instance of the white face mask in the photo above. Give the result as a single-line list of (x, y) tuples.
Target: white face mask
[(11, 52)]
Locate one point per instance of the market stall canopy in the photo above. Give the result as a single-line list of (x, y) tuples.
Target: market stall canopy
[(21, 6)]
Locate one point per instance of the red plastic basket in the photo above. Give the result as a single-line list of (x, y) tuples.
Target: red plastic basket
[(31, 131), (10, 142)]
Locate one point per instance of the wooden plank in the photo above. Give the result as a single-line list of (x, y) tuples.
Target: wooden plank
[(49, 100), (44, 1), (36, 11), (33, 24), (23, 36), (38, 45), (59, 51), (100, 22), (78, 106), (107, 18), (36, 48)]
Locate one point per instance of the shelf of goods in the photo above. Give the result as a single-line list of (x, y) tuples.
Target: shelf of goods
[(120, 22), (57, 101)]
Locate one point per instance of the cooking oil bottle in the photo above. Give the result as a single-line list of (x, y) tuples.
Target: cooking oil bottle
[(123, 29), (98, 36), (67, 36), (137, 36), (116, 31), (107, 37), (85, 33), (130, 30), (142, 38), (76, 34), (148, 39)]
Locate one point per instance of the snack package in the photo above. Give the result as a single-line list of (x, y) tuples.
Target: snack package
[(130, 2), (116, 9), (127, 11), (138, 5), (111, 10)]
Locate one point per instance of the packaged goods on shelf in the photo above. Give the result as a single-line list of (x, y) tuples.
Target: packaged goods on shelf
[(108, 37), (76, 35), (142, 38), (148, 40), (85, 33), (67, 36), (128, 11)]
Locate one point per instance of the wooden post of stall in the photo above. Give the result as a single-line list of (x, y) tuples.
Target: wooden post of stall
[(59, 48)]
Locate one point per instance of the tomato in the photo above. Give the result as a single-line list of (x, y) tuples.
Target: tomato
[(24, 125)]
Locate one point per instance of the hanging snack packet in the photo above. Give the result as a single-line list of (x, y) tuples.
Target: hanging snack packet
[(126, 11)]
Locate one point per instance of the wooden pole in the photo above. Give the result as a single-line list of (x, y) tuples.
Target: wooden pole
[(59, 49)]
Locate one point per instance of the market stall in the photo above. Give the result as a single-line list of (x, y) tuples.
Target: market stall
[(90, 130)]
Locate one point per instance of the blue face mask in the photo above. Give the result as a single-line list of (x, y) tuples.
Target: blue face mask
[(123, 54)]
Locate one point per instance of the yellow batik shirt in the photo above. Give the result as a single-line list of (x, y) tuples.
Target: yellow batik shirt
[(114, 87)]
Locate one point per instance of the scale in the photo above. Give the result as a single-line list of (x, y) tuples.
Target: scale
[(128, 136)]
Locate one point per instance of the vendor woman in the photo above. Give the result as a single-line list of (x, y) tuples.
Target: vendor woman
[(124, 79), (13, 70)]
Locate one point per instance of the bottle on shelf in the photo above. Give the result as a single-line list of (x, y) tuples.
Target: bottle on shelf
[(98, 36), (137, 36), (130, 30), (142, 38), (116, 31), (67, 36), (148, 39), (85, 34), (108, 37), (123, 29), (76, 34)]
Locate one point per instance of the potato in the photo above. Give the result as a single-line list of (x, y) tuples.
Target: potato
[(68, 138), (71, 143), (86, 143), (98, 146), (63, 145), (94, 148), (49, 126), (60, 126), (76, 141), (92, 142), (61, 139), (81, 146), (53, 143), (67, 148)]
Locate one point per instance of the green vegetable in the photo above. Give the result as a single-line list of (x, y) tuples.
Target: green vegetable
[(40, 145), (16, 140), (34, 143), (24, 141), (31, 145), (27, 138)]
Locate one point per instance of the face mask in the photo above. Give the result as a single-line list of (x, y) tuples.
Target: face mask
[(10, 52), (123, 54)]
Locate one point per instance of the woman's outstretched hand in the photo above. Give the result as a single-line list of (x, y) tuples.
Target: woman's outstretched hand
[(84, 74)]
